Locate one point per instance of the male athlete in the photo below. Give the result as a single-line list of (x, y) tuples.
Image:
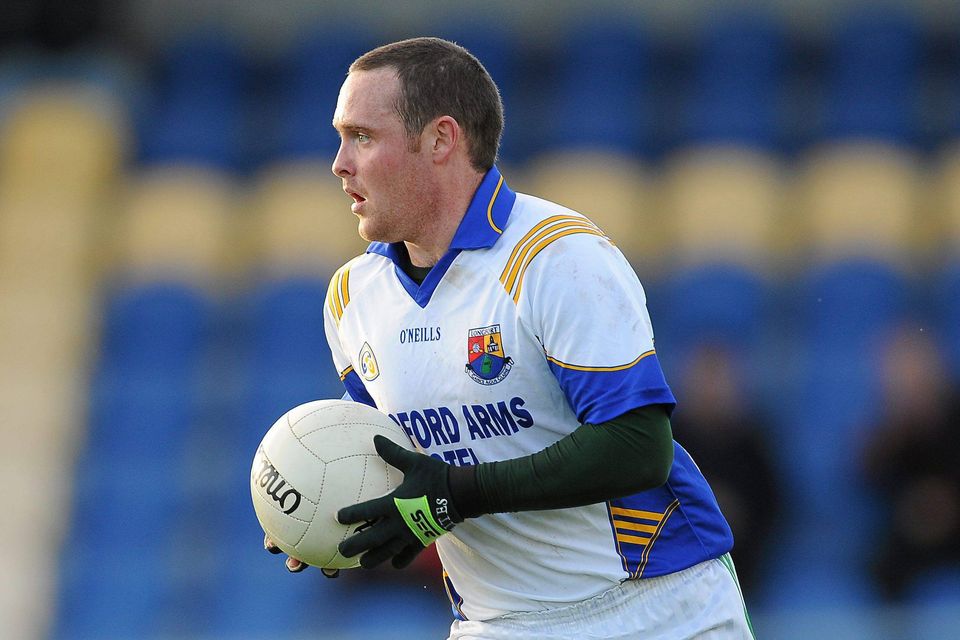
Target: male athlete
[(510, 339)]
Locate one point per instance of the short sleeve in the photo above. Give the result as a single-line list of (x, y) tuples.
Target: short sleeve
[(336, 301), (587, 307)]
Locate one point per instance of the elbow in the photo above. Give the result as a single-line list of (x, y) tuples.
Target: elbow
[(657, 473)]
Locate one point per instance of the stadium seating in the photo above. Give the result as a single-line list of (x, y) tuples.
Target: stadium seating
[(167, 232), (872, 77), (601, 96), (612, 190), (860, 198), (737, 85), (59, 154), (197, 109), (309, 83), (300, 221)]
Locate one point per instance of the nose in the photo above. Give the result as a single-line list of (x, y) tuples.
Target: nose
[(342, 164)]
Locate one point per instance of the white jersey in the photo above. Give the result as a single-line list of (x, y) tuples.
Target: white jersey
[(532, 324)]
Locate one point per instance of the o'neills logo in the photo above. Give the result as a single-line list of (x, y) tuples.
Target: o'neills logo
[(275, 486)]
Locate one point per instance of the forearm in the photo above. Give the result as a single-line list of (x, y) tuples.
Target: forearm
[(631, 453)]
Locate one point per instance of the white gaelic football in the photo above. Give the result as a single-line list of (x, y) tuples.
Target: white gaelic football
[(316, 459)]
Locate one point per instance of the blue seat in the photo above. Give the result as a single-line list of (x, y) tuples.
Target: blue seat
[(721, 302), (255, 595), (734, 94), (872, 78), (601, 97), (286, 324), (198, 109), (110, 592), (310, 77), (847, 302), (158, 327), (505, 57)]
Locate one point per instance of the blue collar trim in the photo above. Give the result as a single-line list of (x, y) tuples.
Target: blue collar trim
[(487, 214), (480, 228)]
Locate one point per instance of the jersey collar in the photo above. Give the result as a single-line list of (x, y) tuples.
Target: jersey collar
[(483, 222), (480, 228), (487, 214)]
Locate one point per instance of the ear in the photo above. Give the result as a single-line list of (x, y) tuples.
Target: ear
[(445, 137)]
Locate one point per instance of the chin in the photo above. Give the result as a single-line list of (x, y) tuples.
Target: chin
[(370, 233)]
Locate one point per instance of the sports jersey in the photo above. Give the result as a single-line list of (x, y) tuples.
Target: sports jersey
[(531, 324)]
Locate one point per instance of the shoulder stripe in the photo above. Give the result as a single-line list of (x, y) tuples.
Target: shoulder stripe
[(543, 245), (338, 293), (621, 367), (531, 233), (346, 372), (535, 241)]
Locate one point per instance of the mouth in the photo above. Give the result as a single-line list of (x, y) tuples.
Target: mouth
[(358, 199)]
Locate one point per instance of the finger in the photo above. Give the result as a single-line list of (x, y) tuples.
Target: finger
[(295, 566), (365, 511), (377, 555), (270, 546), (370, 538), (330, 573), (393, 454), (403, 559)]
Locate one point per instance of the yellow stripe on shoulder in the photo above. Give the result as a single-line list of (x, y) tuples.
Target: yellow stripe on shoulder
[(338, 292), (535, 240)]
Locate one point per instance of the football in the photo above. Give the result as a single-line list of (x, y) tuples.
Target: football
[(316, 459)]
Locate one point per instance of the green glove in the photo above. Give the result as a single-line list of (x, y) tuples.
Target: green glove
[(407, 520)]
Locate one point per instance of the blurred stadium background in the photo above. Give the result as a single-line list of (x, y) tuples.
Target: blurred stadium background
[(785, 177)]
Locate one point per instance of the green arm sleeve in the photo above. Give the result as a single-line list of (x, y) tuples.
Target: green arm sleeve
[(631, 453)]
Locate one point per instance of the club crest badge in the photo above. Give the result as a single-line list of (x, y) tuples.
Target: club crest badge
[(487, 363), (369, 369)]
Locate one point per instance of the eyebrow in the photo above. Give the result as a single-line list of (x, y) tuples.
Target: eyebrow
[(350, 127)]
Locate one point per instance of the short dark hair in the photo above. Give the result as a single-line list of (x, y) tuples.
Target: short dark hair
[(437, 78)]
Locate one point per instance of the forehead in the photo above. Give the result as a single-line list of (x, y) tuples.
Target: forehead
[(368, 98)]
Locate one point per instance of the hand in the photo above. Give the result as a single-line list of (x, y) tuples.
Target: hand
[(407, 520), (295, 565)]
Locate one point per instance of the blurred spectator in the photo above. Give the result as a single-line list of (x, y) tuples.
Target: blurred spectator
[(726, 436), (912, 458)]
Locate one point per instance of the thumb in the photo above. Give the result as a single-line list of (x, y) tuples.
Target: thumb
[(393, 454)]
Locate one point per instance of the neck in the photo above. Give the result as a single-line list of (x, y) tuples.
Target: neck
[(452, 203)]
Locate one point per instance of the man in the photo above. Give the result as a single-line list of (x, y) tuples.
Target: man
[(510, 340)]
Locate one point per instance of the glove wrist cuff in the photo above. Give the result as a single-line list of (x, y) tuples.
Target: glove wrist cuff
[(427, 521)]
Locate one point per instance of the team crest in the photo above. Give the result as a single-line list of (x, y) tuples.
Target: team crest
[(486, 361), (368, 363)]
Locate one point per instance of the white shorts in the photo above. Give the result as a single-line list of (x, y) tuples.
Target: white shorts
[(702, 602)]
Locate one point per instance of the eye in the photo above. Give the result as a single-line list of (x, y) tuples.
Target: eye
[(362, 137)]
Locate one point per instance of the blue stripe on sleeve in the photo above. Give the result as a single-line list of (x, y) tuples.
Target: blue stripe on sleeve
[(358, 392), (598, 396)]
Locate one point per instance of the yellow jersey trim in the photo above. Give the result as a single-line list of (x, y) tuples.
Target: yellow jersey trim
[(536, 240), (338, 293), (530, 234), (629, 532), (346, 372), (646, 552), (493, 199), (620, 367)]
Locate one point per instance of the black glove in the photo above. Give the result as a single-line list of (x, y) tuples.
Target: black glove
[(407, 520)]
